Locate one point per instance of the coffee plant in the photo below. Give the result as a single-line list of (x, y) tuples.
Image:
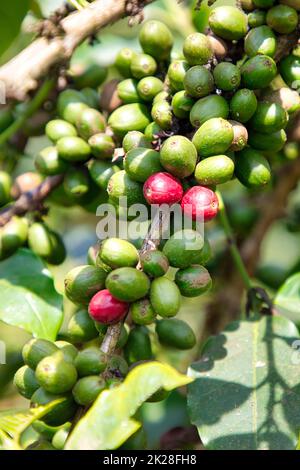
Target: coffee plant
[(188, 135)]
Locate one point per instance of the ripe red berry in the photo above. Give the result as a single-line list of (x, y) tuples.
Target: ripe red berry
[(104, 308), (200, 203), (162, 188)]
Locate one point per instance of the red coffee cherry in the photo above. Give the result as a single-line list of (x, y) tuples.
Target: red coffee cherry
[(104, 308), (162, 188), (200, 202)]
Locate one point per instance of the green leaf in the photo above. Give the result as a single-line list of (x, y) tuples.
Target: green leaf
[(28, 297), (109, 423), (287, 300), (12, 14), (247, 389)]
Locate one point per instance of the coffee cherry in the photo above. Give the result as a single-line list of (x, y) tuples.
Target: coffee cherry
[(76, 182), (143, 65), (70, 105), (182, 104), (82, 282), (130, 117), (142, 312), (73, 149), (5, 188), (256, 18), (214, 137), (152, 131), (81, 328), (272, 142), (162, 114), (176, 73), (26, 182), (109, 99), (102, 146), (200, 203), (212, 106), (57, 128), (141, 163), (118, 253), (101, 172), (228, 22), (252, 168), (289, 68), (123, 61), (227, 76), (121, 185), (62, 412), (165, 297), (149, 87), (69, 350), (288, 99), (204, 254), (243, 105), (48, 163), (134, 139), (35, 350), (292, 3), (42, 241), (90, 122), (193, 281), (117, 366), (258, 72), (26, 382), (91, 97), (13, 235), (60, 437), (178, 156), (214, 170), (138, 346), (106, 309), (162, 188), (240, 136), (127, 284), (260, 40), (162, 96), (197, 49), (175, 333), (90, 361), (282, 18), (154, 263), (128, 92), (156, 39), (198, 81), (55, 374), (87, 389), (182, 249), (269, 117)]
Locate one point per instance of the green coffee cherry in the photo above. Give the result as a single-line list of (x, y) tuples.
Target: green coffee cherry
[(162, 114), (43, 242), (73, 149), (197, 49), (135, 139), (48, 163), (117, 366), (92, 76), (287, 98), (138, 346), (198, 81), (272, 142), (228, 22), (214, 170), (70, 105), (214, 137), (91, 97), (291, 150), (156, 39), (142, 312), (127, 284), (130, 117), (128, 92), (252, 169), (58, 128), (55, 374), (178, 156), (26, 382), (60, 437), (81, 327), (282, 18), (90, 122), (154, 263), (289, 68), (212, 106), (140, 163), (162, 96), (35, 350), (12, 236), (205, 254), (175, 333), (243, 105), (118, 253), (90, 361), (258, 72), (193, 281), (123, 61), (102, 146), (152, 131), (176, 73), (269, 117), (63, 412), (256, 18), (58, 253), (149, 87), (183, 247), (82, 282), (143, 65), (101, 172), (5, 188), (260, 40), (165, 297), (227, 76), (69, 350), (87, 389), (182, 104), (121, 185), (240, 136)]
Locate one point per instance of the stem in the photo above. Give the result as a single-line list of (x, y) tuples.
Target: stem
[(32, 107), (232, 244)]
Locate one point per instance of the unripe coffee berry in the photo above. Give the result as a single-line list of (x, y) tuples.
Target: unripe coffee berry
[(200, 202), (162, 188), (104, 308)]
